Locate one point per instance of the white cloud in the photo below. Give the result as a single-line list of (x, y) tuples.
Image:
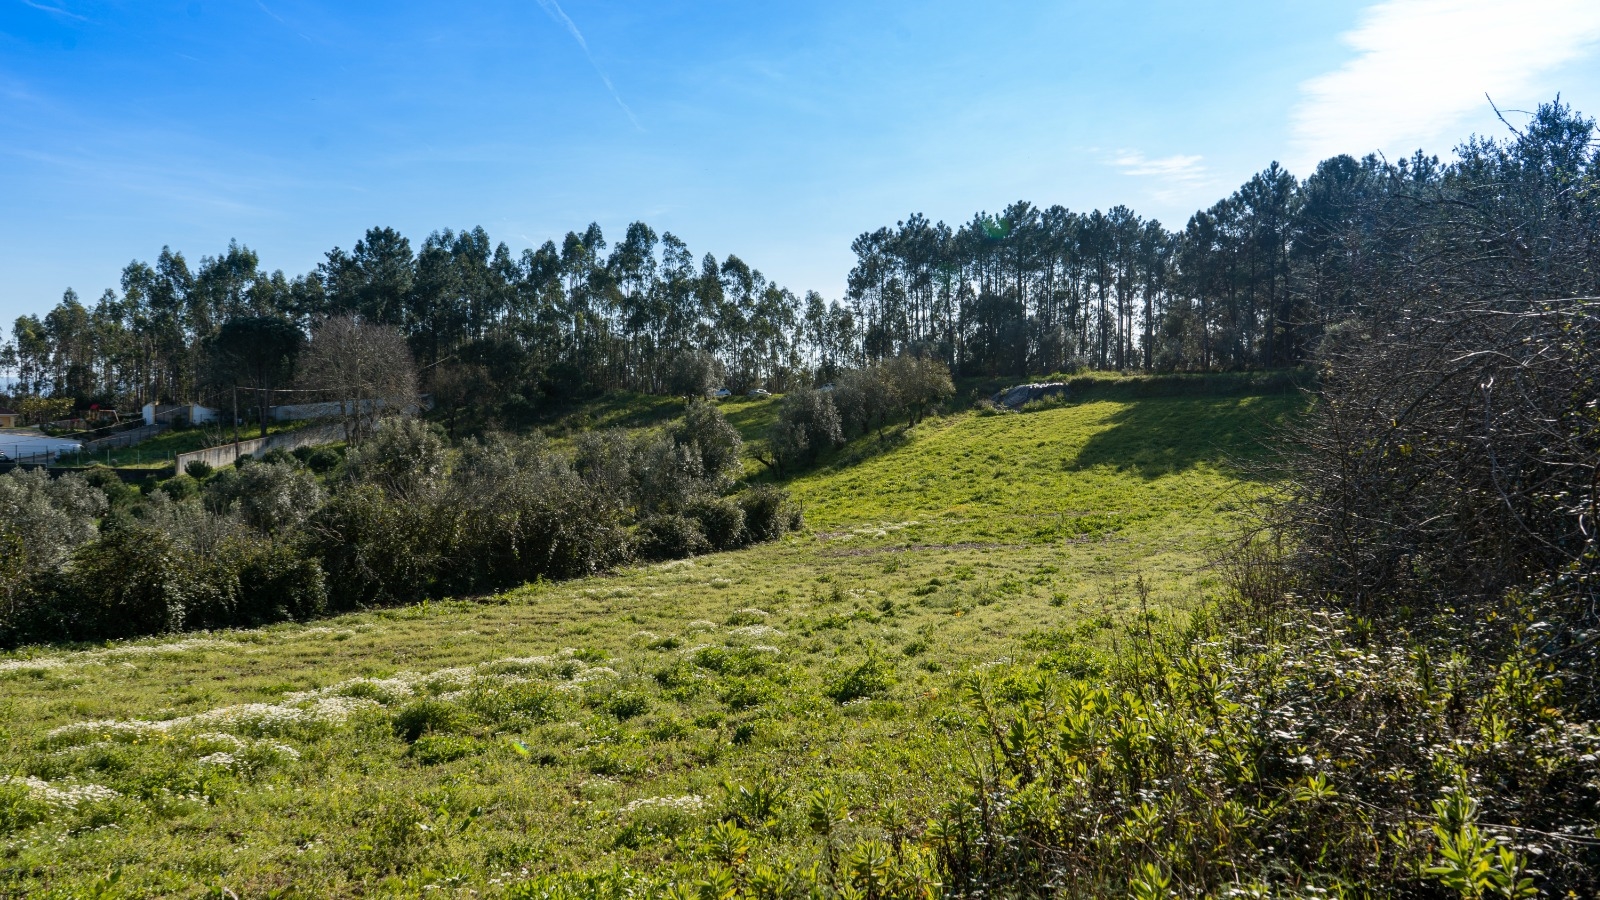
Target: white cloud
[(1422, 66), (1172, 168), (1172, 178)]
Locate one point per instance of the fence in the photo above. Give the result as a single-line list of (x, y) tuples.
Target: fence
[(15, 457), (124, 438), (288, 440)]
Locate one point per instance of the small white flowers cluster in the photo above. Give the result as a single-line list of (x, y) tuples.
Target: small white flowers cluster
[(112, 654), (523, 665), (40, 664), (764, 648), (216, 740), (702, 625), (687, 803), (251, 756), (755, 631), (753, 612), (328, 706), (79, 733), (62, 797)]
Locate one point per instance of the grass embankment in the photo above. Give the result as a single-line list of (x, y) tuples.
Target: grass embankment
[(463, 747)]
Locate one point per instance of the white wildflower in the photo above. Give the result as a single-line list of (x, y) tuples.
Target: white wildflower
[(687, 803)]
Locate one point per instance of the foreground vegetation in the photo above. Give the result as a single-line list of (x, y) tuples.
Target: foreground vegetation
[(1009, 657)]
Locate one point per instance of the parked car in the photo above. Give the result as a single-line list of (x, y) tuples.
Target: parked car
[(759, 393), (4, 457), (721, 393)]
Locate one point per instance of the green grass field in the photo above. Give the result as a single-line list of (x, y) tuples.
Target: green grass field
[(461, 748)]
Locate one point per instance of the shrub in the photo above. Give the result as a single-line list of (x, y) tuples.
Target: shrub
[(713, 441), (119, 494), (127, 583), (271, 496), (277, 456), (768, 513), (405, 458), (54, 516), (181, 487), (374, 548), (198, 469), (808, 423), (1452, 459), (516, 513), (721, 520), (669, 537), (323, 461), (666, 476), (1293, 739), (278, 582)]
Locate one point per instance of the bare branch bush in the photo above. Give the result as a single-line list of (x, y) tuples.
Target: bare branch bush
[(1451, 461)]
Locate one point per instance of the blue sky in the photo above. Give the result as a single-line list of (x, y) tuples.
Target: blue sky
[(775, 131)]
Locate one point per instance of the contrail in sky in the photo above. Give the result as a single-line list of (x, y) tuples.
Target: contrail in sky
[(61, 12), (553, 9)]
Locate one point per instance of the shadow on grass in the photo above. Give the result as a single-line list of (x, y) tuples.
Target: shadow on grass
[(1152, 438)]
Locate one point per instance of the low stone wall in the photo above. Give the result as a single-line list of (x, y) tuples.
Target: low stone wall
[(288, 440)]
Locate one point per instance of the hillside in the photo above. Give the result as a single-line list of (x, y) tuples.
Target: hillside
[(466, 746)]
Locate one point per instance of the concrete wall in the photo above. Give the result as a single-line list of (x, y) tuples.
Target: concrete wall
[(124, 438), (289, 440), (194, 412)]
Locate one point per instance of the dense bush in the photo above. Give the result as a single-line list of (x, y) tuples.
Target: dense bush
[(373, 548), (126, 583), (518, 513), (271, 495), (1453, 456), (721, 520), (713, 442), (808, 423), (768, 513), (323, 460), (669, 536), (53, 515), (408, 518)]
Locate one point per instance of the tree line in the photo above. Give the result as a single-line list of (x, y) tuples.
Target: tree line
[(1257, 280)]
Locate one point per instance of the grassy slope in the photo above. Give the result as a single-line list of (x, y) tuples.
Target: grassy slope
[(938, 552), (159, 451)]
